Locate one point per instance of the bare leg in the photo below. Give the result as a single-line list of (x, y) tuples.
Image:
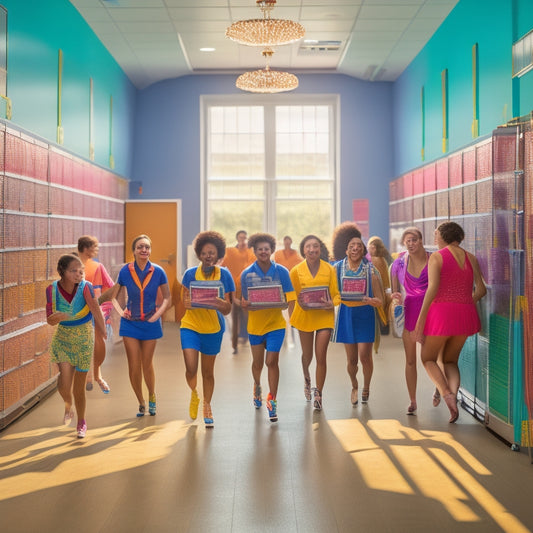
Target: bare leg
[(450, 358), (430, 351), (79, 394), (409, 345), (352, 362), (64, 384), (208, 376), (306, 340), (133, 353), (190, 357), (272, 363), (99, 355), (321, 349), (258, 360), (365, 354), (147, 359)]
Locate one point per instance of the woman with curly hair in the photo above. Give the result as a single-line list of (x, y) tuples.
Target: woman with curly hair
[(266, 325), (361, 292), (202, 327), (314, 323), (448, 315)]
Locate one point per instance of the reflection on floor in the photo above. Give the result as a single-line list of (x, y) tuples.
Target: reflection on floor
[(368, 468)]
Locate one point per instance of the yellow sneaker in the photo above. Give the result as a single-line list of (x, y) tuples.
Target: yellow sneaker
[(193, 406)]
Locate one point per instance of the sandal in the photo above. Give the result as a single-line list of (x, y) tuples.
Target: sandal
[(364, 395), (411, 410), (355, 397), (104, 387), (436, 398), (68, 417), (451, 402)]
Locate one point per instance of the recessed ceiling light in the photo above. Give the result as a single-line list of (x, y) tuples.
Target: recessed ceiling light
[(207, 49)]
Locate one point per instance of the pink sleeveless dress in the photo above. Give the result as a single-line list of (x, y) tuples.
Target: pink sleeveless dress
[(453, 311)]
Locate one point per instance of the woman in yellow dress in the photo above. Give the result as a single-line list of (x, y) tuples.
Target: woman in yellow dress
[(314, 316)]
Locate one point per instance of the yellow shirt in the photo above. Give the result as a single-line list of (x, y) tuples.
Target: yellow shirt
[(314, 319)]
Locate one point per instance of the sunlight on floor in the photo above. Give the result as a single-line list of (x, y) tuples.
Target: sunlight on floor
[(105, 451), (395, 458)]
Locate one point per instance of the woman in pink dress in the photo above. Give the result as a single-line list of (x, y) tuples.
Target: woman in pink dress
[(449, 315)]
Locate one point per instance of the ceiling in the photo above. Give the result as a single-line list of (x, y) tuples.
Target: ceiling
[(153, 40)]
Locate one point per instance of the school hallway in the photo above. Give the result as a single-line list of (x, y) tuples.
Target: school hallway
[(345, 469)]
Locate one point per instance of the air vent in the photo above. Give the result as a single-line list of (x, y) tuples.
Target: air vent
[(319, 47)]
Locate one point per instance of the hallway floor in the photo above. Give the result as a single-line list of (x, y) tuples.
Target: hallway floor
[(345, 469)]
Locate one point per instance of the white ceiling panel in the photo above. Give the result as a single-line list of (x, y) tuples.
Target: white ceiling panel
[(153, 40)]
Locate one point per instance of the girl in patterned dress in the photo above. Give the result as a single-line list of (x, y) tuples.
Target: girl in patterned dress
[(71, 305)]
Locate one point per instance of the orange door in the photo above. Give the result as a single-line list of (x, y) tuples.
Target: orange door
[(161, 221)]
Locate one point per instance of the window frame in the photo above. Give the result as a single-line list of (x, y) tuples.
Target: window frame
[(269, 102)]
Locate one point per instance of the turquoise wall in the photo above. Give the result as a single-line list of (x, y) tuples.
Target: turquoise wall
[(36, 31), (492, 24)]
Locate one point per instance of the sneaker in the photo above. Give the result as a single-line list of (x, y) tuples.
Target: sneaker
[(208, 416), (307, 389), (81, 429), (69, 416), (258, 401), (317, 400), (272, 406), (142, 410), (193, 405)]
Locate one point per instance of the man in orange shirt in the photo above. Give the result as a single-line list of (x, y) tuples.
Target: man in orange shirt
[(237, 258), (287, 256)]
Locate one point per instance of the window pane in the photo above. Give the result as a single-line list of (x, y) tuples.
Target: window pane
[(227, 217), (300, 218), (305, 190), (229, 190)]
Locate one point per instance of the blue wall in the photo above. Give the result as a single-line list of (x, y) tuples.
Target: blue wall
[(492, 24), (37, 29), (167, 157)]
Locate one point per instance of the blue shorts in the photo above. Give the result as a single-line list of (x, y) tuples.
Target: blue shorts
[(355, 324), (273, 340), (206, 343)]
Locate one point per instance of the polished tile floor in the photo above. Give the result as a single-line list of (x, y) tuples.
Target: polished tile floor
[(369, 468)]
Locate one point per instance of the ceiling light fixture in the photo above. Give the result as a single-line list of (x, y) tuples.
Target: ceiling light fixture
[(266, 80), (266, 31)]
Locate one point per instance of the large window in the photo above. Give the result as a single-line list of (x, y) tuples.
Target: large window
[(270, 166)]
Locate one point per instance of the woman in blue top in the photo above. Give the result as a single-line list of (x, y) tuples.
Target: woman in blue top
[(140, 325), (361, 292), (202, 327)]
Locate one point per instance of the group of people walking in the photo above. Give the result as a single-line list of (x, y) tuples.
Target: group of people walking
[(328, 299)]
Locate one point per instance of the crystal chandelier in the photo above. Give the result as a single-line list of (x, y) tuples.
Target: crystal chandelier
[(266, 80), (266, 31)]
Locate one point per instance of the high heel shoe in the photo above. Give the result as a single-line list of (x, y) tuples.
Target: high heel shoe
[(436, 398), (364, 395), (451, 402)]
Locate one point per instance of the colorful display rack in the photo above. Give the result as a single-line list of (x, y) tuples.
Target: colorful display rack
[(48, 198)]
